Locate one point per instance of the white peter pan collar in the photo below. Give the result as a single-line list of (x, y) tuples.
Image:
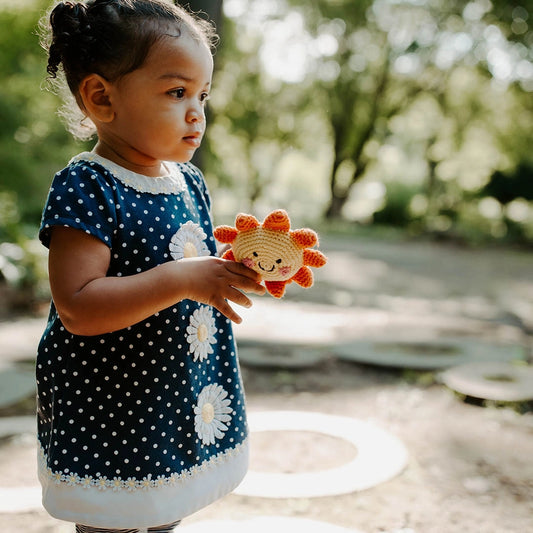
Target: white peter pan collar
[(171, 183)]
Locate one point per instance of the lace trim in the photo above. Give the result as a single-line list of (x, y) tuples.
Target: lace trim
[(172, 183), (133, 484)]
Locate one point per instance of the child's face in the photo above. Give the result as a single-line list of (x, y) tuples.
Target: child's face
[(160, 107)]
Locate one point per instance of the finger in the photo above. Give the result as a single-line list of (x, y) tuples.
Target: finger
[(247, 280), (241, 270), (245, 284), (256, 288), (237, 296), (228, 311)]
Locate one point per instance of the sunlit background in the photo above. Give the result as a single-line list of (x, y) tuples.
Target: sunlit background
[(415, 114), (406, 116)]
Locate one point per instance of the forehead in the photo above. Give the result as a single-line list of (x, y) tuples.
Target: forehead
[(183, 55)]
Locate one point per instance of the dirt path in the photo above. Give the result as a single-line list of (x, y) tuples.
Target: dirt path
[(469, 467)]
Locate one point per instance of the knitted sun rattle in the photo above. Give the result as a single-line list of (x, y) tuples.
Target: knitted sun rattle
[(272, 249)]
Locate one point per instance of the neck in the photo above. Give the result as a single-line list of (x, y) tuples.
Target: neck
[(151, 168)]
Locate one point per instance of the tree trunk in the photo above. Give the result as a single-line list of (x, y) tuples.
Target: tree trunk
[(339, 199), (336, 203)]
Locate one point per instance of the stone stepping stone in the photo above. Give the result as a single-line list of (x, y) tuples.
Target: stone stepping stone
[(267, 355), (427, 354), (498, 381), (380, 457), (16, 384), (265, 524)]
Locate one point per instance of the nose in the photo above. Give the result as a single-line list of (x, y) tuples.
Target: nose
[(196, 113)]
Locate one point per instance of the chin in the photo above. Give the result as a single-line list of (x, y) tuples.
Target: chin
[(183, 158)]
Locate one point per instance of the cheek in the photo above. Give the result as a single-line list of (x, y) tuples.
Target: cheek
[(285, 271), (248, 262)]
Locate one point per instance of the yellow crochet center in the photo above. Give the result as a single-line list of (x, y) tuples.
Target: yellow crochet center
[(272, 254)]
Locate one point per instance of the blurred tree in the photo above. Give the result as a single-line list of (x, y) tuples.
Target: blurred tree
[(388, 54), (210, 10), (254, 116), (33, 144), (434, 94)]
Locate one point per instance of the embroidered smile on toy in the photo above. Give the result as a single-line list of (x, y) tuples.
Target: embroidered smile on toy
[(272, 249)]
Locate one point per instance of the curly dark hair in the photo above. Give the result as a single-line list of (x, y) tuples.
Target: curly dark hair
[(112, 37)]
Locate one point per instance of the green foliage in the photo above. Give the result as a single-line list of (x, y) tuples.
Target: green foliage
[(22, 259), (430, 98), (33, 143), (316, 103)]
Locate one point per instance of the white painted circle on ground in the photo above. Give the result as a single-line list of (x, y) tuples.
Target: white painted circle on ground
[(380, 457), (497, 381), (265, 524)]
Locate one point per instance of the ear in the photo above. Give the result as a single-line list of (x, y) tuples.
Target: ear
[(94, 94)]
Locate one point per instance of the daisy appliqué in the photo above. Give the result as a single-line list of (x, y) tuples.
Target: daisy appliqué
[(201, 333), (188, 241), (212, 414)]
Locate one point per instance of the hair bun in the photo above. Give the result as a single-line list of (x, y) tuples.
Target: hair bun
[(68, 17), (70, 28)]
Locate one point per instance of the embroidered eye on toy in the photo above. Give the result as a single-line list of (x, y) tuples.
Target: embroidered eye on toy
[(272, 249)]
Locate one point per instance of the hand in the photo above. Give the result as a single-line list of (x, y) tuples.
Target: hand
[(215, 281)]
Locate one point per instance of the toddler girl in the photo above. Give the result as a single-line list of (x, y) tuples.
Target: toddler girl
[(141, 416)]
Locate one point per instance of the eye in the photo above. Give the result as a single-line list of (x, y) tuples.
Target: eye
[(278, 261), (255, 254), (204, 97), (178, 93)]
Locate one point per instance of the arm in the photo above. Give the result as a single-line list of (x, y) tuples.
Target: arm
[(89, 303)]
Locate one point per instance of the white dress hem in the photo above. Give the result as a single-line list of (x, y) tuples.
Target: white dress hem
[(144, 508)]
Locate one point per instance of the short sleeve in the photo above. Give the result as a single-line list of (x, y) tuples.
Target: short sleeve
[(81, 197)]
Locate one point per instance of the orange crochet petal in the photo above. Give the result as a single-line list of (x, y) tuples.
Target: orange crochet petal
[(276, 288), (304, 277), (228, 254), (314, 258), (277, 220), (304, 238), (225, 234), (245, 222)]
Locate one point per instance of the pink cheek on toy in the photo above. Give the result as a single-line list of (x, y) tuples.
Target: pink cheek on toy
[(285, 271), (248, 262)]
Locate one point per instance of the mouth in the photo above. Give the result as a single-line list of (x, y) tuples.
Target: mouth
[(195, 139), (265, 269)]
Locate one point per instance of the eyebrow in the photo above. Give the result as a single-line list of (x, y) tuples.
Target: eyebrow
[(177, 76), (172, 75)]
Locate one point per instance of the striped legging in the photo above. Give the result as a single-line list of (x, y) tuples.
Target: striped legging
[(168, 528)]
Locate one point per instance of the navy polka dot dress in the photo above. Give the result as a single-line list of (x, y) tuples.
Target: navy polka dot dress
[(145, 425)]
